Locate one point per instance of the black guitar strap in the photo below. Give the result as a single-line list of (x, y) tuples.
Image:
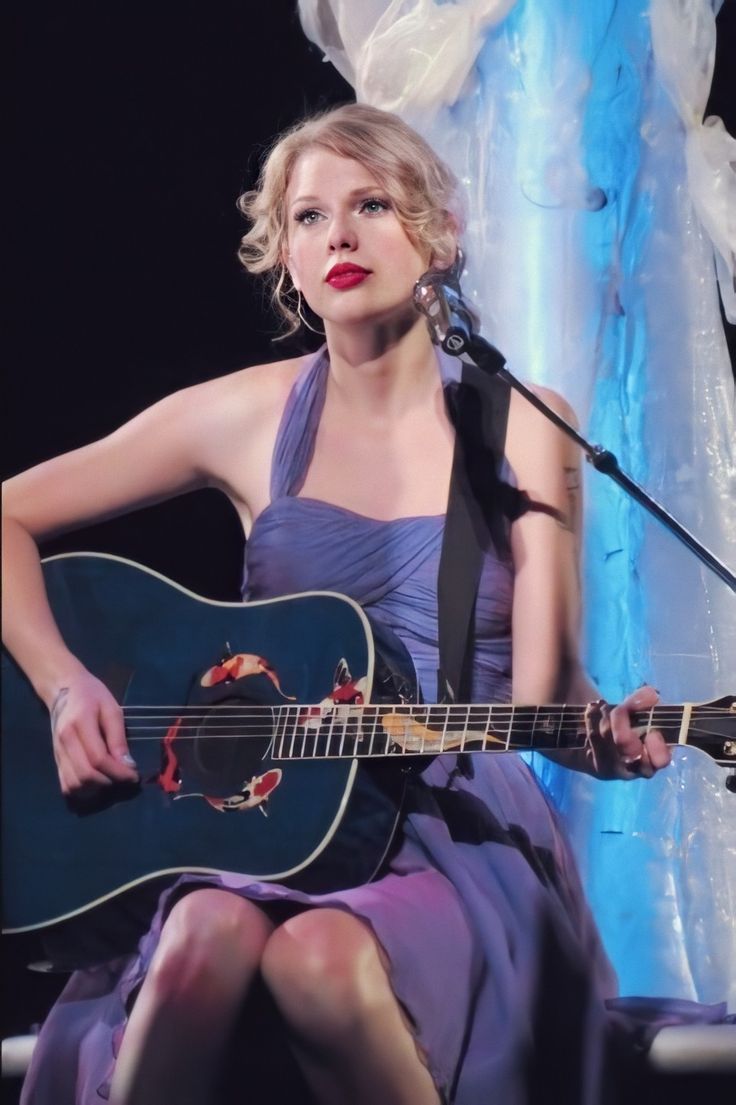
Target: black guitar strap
[(480, 507)]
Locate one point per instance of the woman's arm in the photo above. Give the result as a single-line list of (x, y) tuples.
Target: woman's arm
[(184, 442), (145, 460), (545, 548), (152, 457), (546, 610)]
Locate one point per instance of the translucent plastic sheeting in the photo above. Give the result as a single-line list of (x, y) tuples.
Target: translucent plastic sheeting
[(598, 205), (657, 857)]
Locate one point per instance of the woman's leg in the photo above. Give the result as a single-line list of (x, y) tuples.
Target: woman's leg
[(209, 953), (327, 973)]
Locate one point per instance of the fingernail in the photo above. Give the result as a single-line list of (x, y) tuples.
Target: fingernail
[(128, 759)]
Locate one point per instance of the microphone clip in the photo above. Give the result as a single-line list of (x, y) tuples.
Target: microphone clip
[(438, 296)]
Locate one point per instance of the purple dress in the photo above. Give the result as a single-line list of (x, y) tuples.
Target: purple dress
[(492, 950)]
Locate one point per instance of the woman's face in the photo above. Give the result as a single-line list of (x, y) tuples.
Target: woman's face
[(348, 253)]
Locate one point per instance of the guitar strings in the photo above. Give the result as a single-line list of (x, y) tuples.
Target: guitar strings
[(550, 725), (259, 732)]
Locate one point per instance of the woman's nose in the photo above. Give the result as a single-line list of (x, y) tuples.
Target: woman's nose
[(342, 235)]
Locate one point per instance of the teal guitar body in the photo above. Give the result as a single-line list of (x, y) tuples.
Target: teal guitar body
[(204, 686)]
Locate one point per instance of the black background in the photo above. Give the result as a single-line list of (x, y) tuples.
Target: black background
[(134, 126)]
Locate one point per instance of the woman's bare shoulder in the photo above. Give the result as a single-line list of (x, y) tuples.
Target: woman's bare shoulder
[(232, 426), (217, 433), (523, 411), (247, 392), (532, 439)]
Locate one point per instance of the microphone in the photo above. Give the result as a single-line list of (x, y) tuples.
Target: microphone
[(438, 296)]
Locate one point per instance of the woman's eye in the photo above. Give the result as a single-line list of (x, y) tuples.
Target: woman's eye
[(309, 216), (373, 206)]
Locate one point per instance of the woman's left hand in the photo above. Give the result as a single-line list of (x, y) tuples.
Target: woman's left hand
[(616, 749)]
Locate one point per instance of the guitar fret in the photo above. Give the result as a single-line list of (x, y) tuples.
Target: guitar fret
[(282, 738), (295, 727), (275, 732), (383, 735), (280, 724), (346, 723), (337, 729), (373, 731), (387, 741), (381, 729), (347, 737), (292, 742), (328, 737), (291, 712), (311, 739), (489, 724), (443, 737)]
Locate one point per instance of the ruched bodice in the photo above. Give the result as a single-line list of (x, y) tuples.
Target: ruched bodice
[(389, 567)]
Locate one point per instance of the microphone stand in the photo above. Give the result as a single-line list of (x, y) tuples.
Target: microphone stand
[(460, 340)]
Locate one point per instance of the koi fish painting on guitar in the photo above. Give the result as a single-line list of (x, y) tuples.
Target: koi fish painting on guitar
[(254, 793), (286, 707)]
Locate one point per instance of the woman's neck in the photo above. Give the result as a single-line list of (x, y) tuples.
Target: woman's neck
[(383, 372)]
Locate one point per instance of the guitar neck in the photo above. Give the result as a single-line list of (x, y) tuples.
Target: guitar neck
[(364, 732)]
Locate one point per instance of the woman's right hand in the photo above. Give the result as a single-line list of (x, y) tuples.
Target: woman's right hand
[(89, 737)]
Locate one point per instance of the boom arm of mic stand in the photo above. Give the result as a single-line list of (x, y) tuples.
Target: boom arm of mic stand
[(488, 358)]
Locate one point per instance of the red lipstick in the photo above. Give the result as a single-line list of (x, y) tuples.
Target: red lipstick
[(346, 275)]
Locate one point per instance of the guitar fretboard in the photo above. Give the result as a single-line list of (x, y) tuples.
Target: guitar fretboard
[(349, 731)]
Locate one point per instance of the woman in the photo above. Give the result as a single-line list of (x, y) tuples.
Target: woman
[(428, 984)]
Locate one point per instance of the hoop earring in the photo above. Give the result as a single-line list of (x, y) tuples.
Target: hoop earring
[(302, 317)]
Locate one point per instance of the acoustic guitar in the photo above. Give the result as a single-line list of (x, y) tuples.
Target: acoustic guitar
[(272, 738)]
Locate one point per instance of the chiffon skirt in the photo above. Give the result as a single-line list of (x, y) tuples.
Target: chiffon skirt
[(492, 951)]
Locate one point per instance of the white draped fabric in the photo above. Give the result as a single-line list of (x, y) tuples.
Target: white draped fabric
[(600, 206)]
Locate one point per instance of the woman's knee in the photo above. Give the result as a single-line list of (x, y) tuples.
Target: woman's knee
[(210, 938), (326, 971)]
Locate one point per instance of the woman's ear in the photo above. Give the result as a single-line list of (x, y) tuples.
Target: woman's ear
[(447, 261), (443, 264)]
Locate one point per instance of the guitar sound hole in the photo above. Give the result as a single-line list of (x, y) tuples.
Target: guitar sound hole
[(229, 747)]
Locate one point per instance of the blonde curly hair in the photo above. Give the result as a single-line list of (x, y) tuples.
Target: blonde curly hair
[(423, 190)]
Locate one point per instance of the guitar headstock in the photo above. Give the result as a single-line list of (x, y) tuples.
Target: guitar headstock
[(710, 726)]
